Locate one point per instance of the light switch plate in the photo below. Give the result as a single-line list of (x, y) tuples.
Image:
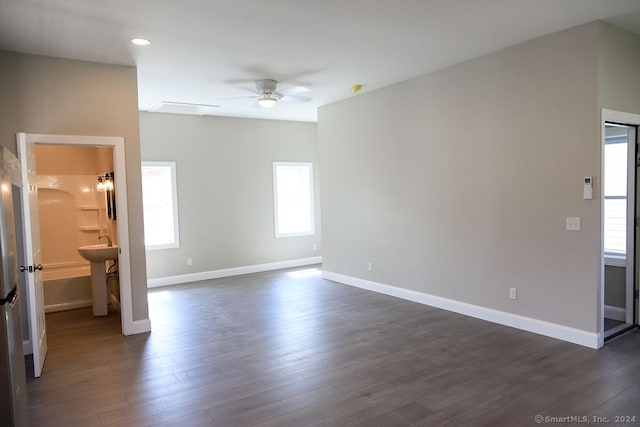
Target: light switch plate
[(573, 223)]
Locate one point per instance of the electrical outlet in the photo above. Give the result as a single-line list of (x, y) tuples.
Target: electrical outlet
[(189, 261), (315, 247), (513, 293), (370, 266)]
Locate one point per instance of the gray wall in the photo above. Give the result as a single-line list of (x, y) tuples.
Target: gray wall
[(614, 286), (458, 183), (58, 96), (618, 89), (618, 69), (225, 189)]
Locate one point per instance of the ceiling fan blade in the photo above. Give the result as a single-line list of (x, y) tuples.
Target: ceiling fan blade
[(272, 88), (230, 98), (294, 90), (295, 98)]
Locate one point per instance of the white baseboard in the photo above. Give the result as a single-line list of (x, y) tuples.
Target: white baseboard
[(615, 313), (140, 326), (227, 272), (565, 333), (52, 308)]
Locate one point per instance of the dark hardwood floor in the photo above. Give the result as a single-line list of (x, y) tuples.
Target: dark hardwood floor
[(272, 349)]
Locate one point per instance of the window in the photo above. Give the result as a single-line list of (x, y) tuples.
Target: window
[(293, 199), (615, 191), (160, 205)]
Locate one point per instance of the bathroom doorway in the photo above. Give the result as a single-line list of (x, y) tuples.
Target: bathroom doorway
[(73, 212), (620, 237), (28, 144)]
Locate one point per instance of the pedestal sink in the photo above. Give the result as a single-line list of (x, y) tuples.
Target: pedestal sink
[(98, 255)]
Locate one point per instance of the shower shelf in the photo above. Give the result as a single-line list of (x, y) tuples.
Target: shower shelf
[(89, 228), (88, 208)]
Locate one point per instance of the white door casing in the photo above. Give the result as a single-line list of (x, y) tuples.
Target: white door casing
[(117, 144), (613, 116)]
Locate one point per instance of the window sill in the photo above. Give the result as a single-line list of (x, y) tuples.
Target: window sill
[(615, 260), (302, 234)]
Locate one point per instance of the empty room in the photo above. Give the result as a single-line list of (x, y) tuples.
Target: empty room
[(293, 213)]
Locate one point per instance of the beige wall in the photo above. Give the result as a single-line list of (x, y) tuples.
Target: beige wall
[(225, 189), (619, 65), (66, 160), (458, 183), (59, 96), (73, 160)]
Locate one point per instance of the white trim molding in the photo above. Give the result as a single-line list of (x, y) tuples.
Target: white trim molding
[(173, 204), (72, 305), (615, 261), (140, 326), (119, 162), (308, 167), (553, 330), (632, 120), (84, 303), (228, 272)]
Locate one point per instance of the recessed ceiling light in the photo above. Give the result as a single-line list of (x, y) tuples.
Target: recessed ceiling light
[(141, 42)]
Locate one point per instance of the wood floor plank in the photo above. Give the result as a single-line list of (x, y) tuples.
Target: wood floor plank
[(269, 349)]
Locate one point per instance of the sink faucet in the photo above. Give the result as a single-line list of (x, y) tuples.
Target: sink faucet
[(109, 242)]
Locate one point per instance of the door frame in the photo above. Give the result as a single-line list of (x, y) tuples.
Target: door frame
[(122, 220), (632, 120)]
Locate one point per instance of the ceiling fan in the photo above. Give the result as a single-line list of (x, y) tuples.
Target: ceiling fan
[(265, 93), (269, 97)]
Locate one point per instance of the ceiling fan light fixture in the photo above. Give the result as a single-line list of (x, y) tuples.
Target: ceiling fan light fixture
[(267, 100)]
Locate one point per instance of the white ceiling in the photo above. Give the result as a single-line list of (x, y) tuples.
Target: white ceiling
[(211, 51)]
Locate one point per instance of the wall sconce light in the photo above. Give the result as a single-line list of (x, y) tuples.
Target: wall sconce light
[(108, 182), (105, 183)]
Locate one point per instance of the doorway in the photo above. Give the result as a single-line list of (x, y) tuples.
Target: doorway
[(619, 306), (26, 149), (72, 212)]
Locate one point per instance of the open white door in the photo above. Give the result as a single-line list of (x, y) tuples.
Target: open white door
[(33, 257)]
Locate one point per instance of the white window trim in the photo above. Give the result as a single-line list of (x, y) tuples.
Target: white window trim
[(275, 200), (615, 260), (174, 201)]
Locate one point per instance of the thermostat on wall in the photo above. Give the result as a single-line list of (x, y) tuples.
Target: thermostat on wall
[(587, 191)]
